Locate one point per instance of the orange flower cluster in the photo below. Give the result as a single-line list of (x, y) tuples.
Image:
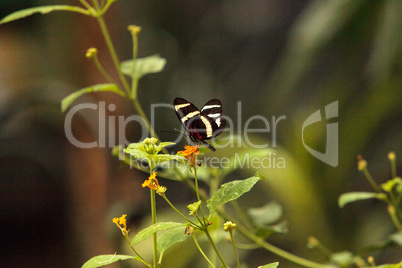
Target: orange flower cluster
[(190, 153), (152, 183), (121, 223)]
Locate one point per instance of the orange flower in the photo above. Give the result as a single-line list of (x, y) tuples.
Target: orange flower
[(152, 182), (190, 153), (121, 223)]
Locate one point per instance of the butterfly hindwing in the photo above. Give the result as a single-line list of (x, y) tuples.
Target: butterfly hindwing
[(201, 125)]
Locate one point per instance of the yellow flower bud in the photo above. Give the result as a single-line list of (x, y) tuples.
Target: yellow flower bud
[(391, 156), (229, 226), (91, 53), (134, 29)]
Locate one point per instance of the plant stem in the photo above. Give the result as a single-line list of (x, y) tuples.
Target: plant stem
[(85, 4), (234, 248), (393, 164), (215, 249), (394, 217), (102, 70), (371, 181), (111, 48), (153, 213), (142, 114), (133, 249), (175, 209), (201, 251), (198, 193), (134, 79)]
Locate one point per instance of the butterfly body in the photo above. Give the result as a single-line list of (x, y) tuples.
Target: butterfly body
[(203, 124)]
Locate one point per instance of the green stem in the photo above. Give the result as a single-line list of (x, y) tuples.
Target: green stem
[(201, 251), (320, 247), (141, 113), (393, 168), (153, 212), (215, 249), (198, 192), (371, 181), (85, 4), (134, 80), (106, 6), (234, 248), (395, 220), (184, 217), (111, 48), (103, 71), (133, 249)]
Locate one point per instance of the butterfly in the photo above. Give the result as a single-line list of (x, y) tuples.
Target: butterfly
[(203, 124)]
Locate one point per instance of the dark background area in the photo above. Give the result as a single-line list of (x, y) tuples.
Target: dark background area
[(275, 57)]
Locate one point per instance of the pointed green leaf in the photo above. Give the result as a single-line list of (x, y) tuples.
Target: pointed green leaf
[(271, 265), (356, 196), (66, 102), (266, 214), (42, 9), (142, 66), (102, 260), (230, 191), (171, 237), (147, 232)]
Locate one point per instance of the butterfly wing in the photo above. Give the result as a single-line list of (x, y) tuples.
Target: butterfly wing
[(201, 125), (188, 115), (213, 109)]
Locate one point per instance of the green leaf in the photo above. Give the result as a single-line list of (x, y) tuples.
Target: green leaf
[(266, 214), (271, 265), (230, 191), (387, 186), (102, 260), (148, 150), (397, 265), (343, 258), (42, 9), (397, 238), (266, 231), (142, 66), (66, 102), (194, 207), (171, 237), (356, 196), (147, 232)]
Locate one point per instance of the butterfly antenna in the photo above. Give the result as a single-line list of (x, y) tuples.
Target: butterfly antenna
[(176, 130)]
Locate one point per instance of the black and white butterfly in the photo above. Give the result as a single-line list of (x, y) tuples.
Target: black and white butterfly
[(201, 125)]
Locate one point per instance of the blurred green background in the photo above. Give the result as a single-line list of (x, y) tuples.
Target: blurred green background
[(275, 57)]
